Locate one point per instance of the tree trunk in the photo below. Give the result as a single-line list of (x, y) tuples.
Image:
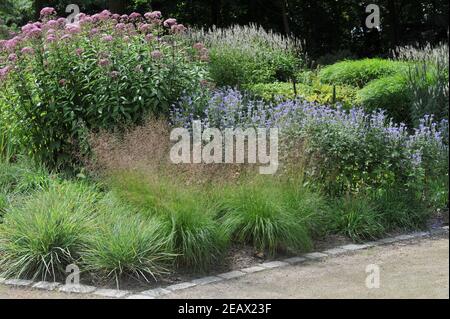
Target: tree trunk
[(284, 12)]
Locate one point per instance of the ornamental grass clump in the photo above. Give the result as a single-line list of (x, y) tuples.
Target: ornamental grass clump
[(61, 80), (126, 244), (427, 80), (196, 238), (40, 237), (256, 214)]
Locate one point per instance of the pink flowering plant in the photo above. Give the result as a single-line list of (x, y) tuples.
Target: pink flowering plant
[(59, 80)]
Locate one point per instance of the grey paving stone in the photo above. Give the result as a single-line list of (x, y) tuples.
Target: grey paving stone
[(353, 247), (253, 269), (274, 264), (421, 234), (388, 240), (313, 256), (335, 251), (180, 286), (139, 296), (156, 292), (112, 293), (372, 243), (46, 285), (206, 280), (404, 237), (231, 274), (18, 282), (78, 289), (294, 260)]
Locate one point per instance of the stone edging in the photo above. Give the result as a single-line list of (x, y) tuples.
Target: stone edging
[(158, 292)]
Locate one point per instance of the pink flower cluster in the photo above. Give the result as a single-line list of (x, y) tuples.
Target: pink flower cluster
[(47, 11), (202, 51), (4, 72), (103, 26)]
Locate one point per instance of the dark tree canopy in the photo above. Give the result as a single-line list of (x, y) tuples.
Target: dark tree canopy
[(327, 26)]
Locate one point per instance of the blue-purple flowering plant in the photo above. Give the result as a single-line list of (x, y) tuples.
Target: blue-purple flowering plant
[(343, 150)]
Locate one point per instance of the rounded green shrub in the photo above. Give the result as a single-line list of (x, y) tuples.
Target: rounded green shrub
[(391, 94), (39, 238), (360, 72)]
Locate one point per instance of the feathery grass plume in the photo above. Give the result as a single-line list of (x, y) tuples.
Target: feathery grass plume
[(427, 79), (249, 54)]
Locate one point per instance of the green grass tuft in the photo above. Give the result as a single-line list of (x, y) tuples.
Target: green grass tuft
[(256, 214), (44, 235), (195, 235), (355, 218), (125, 244)]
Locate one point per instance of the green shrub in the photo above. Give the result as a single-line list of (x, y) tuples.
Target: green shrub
[(356, 218), (257, 214), (126, 244), (45, 234), (242, 55), (391, 94), (272, 91), (60, 85), (195, 236), (360, 72)]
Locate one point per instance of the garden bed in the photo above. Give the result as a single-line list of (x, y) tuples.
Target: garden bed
[(88, 113)]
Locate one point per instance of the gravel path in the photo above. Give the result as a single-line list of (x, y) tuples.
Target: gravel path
[(418, 269)]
